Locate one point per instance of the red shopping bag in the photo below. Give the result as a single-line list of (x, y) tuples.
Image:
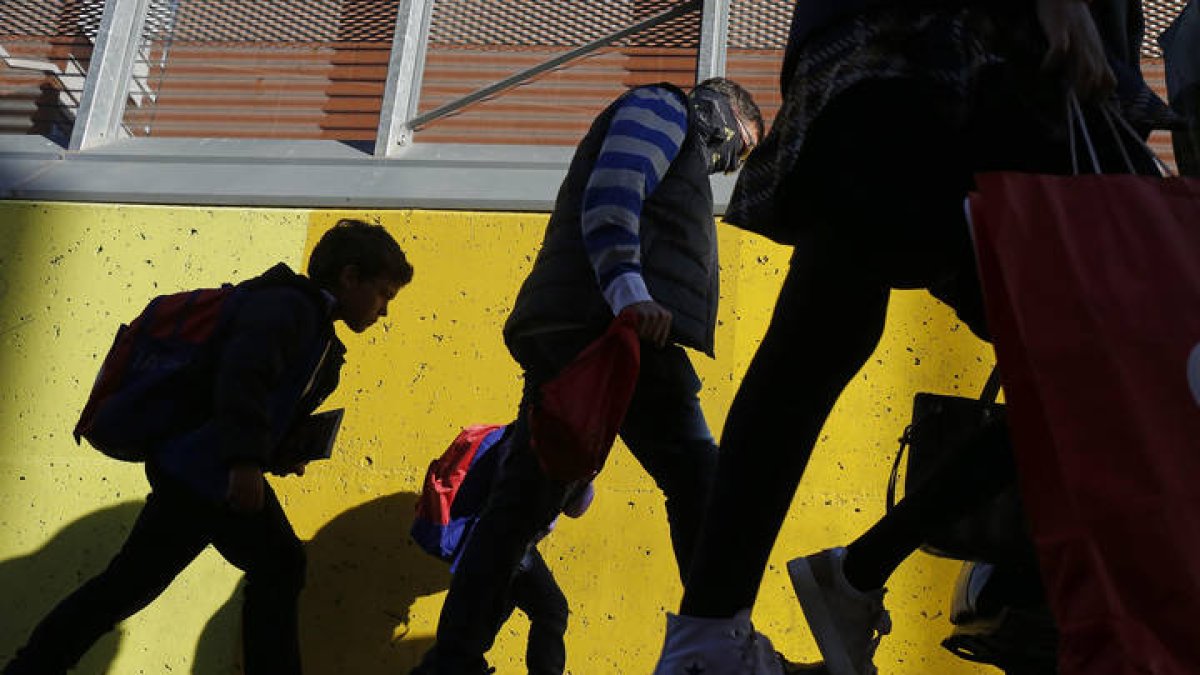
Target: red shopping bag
[(1092, 288), (574, 425)]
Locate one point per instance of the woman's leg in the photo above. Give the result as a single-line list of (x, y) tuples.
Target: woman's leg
[(827, 322), (883, 177)]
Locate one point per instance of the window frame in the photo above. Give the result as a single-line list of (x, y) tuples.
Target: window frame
[(101, 163)]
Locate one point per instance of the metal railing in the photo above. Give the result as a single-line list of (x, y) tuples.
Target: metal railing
[(116, 57)]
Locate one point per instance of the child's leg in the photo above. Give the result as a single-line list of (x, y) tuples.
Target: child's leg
[(523, 502), (167, 536), (535, 592), (265, 547)]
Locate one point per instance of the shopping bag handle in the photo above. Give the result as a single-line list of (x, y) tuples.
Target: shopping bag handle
[(1109, 115), (1075, 115)]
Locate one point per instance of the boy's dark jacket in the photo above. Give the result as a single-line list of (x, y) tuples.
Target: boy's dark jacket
[(279, 360)]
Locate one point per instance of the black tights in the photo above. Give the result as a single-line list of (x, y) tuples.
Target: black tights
[(885, 172)]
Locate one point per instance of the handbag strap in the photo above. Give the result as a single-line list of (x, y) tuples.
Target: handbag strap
[(991, 391), (905, 442)]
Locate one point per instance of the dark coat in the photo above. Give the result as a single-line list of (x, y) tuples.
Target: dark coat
[(1119, 22), (678, 243), (279, 361)]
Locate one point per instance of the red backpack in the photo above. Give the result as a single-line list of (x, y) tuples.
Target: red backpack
[(446, 514), (139, 395)]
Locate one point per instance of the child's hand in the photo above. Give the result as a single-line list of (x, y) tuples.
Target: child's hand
[(246, 488)]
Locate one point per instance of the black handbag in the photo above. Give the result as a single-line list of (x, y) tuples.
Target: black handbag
[(994, 532)]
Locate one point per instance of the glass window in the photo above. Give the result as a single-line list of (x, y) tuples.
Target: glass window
[(45, 51), (294, 69), (1158, 14), (475, 43)]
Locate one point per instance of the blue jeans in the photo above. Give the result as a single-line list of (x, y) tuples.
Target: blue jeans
[(665, 430)]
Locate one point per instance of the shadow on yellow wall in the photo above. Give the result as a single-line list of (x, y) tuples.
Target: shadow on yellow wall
[(30, 585), (365, 573), (72, 272), (15, 232)]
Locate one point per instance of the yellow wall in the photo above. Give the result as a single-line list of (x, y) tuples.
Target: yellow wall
[(70, 273)]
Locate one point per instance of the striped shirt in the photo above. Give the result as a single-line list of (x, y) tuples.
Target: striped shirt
[(644, 136)]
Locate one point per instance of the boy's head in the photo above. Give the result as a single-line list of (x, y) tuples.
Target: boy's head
[(363, 267)]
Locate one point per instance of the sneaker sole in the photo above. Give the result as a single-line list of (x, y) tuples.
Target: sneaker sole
[(820, 619)]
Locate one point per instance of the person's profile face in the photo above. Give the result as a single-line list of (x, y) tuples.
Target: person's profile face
[(363, 301), (749, 136)]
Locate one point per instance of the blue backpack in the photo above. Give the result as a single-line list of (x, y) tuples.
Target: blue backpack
[(456, 486), (154, 381), (136, 399)]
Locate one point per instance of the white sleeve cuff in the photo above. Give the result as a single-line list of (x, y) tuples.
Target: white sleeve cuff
[(625, 290)]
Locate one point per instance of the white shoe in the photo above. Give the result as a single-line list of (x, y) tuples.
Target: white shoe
[(846, 623), (699, 646)]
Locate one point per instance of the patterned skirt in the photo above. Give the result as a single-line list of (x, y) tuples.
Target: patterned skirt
[(946, 46)]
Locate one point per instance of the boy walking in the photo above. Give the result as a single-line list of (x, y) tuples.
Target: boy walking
[(279, 361), (533, 589)]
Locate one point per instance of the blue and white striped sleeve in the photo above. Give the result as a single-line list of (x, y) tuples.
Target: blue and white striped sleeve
[(643, 139)]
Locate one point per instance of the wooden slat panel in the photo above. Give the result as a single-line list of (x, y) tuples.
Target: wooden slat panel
[(333, 90), (256, 90), (217, 87), (556, 108), (30, 101)]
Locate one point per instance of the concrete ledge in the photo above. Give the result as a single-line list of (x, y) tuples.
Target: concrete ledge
[(290, 173)]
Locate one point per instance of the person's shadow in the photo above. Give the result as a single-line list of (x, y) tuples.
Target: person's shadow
[(31, 585), (364, 574)]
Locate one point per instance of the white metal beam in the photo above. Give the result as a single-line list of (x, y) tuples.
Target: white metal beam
[(714, 39), (103, 102), (402, 90)]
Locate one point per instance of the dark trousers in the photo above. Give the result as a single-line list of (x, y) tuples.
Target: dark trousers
[(664, 429), (886, 170), (172, 529), (535, 592)]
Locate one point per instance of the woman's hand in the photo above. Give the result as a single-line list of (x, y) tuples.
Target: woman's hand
[(1075, 48)]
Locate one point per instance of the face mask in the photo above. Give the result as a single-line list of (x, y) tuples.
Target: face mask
[(714, 120)]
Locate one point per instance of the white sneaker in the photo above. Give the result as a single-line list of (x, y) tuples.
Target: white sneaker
[(846, 622), (699, 646)]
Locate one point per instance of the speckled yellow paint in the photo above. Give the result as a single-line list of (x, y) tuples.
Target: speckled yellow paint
[(70, 273)]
